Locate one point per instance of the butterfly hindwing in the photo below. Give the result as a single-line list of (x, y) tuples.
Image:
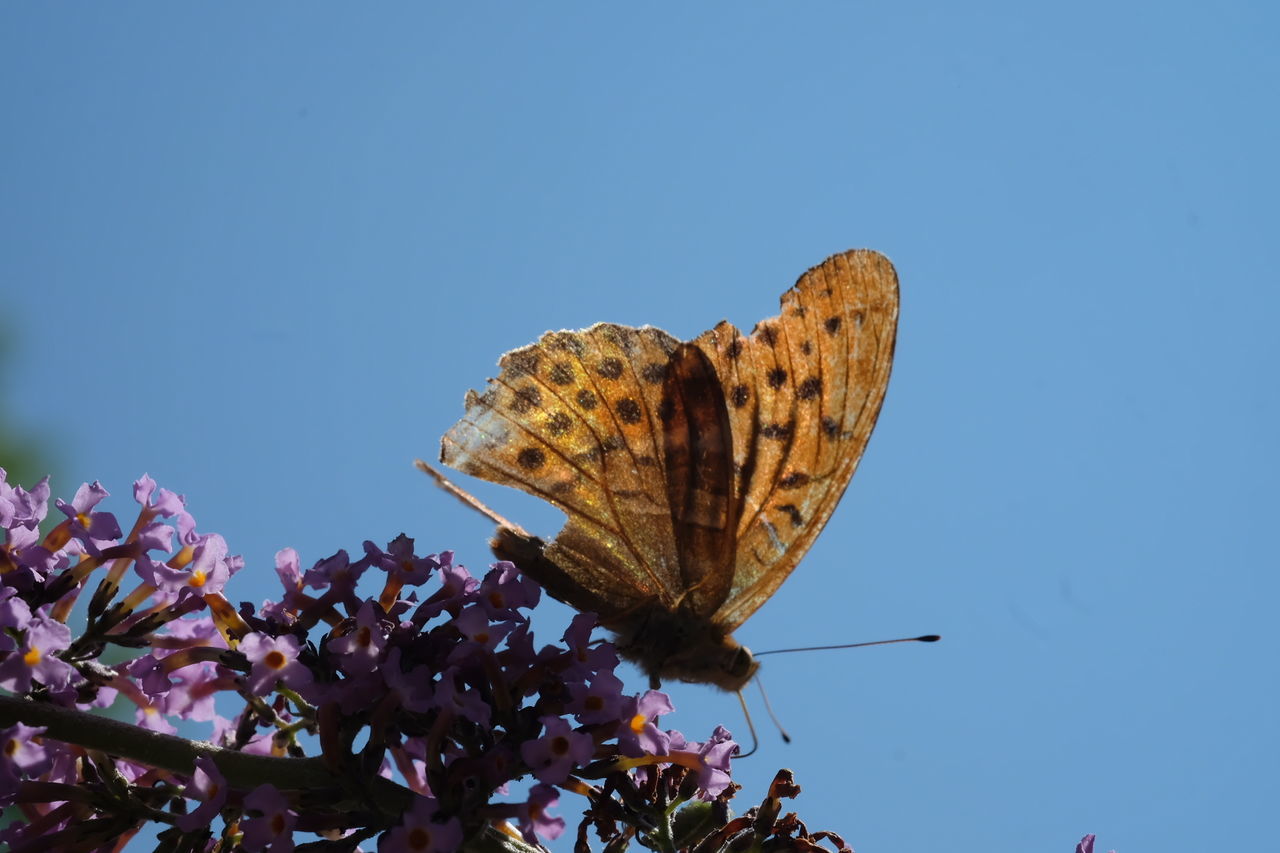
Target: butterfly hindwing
[(700, 478), (574, 419)]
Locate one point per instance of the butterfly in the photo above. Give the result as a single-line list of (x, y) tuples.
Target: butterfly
[(695, 475)]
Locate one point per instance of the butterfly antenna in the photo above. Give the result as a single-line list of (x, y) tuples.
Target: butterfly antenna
[(786, 738), (751, 727), (927, 638), (764, 694), (467, 498)]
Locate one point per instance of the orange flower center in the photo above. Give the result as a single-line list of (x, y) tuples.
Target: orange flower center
[(419, 838)]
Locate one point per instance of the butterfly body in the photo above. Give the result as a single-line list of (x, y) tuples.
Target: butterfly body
[(694, 475), (664, 640)]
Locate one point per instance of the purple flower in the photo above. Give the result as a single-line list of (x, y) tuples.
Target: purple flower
[(87, 497), (208, 787), (22, 756), (14, 613), (473, 623), (518, 652), (191, 693), (212, 566), (638, 734), (596, 702), (536, 821), (456, 584), (554, 756), (360, 649), (22, 508), (208, 572), (150, 716), (156, 573), (714, 755), (464, 702), (401, 564), (413, 687), (419, 833), (504, 590), (35, 657), (289, 571), (167, 504), (95, 529), (338, 576), (331, 571), (156, 536), (273, 660), (24, 558), (274, 829), (1086, 844), (587, 659), (150, 674), (192, 631)]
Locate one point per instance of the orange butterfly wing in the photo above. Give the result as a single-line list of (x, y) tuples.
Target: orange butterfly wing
[(694, 476), (804, 391), (574, 419)]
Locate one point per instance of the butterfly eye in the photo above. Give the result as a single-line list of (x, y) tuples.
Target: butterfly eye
[(741, 665)]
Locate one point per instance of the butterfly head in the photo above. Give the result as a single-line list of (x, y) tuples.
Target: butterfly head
[(727, 664)]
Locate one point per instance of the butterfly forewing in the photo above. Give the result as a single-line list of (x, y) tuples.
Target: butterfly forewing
[(804, 391), (574, 419)]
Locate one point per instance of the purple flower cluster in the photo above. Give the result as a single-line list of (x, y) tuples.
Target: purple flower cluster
[(399, 719), (419, 704)]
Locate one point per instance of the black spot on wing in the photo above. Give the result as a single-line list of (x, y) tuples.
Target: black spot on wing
[(531, 458), (797, 520), (561, 373), (629, 411), (777, 430), (526, 399), (794, 480), (559, 423), (610, 368)]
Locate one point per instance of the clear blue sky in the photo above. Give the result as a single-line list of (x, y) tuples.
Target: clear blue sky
[(261, 251)]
